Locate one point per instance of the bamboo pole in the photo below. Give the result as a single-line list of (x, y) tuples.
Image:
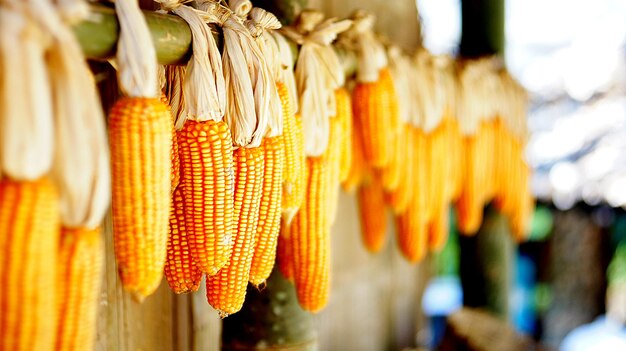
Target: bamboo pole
[(99, 32)]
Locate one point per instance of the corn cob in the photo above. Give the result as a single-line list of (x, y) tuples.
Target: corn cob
[(399, 198), (469, 206), (344, 113), (412, 236), (175, 178), (29, 237), (293, 174), (372, 214), (357, 168), (370, 112), (391, 173), (207, 180), (284, 257), (269, 211), (333, 157), (438, 228), (81, 264), (140, 131), (226, 290), (181, 272), (310, 240)]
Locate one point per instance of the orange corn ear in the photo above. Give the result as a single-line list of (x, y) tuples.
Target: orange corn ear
[(438, 229), (293, 173), (411, 233), (333, 157), (344, 114), (80, 269), (357, 168), (373, 216), (140, 131), (391, 173), (469, 206), (29, 237), (399, 198), (206, 153), (269, 211), (226, 291), (284, 257), (181, 272), (370, 112), (310, 240)]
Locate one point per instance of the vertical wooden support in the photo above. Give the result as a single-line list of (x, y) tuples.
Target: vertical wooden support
[(487, 258), (482, 28)]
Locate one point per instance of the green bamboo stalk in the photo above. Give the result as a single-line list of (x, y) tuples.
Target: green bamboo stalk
[(98, 35)]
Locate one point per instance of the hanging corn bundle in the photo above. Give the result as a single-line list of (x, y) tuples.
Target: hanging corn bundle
[(318, 75), (374, 99), (273, 145), (251, 92), (339, 135), (205, 147), (140, 132), (43, 65)]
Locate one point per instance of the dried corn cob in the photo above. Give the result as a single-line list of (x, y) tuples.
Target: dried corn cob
[(310, 240), (369, 112), (344, 113), (399, 198), (207, 180), (284, 257), (181, 272), (438, 228), (333, 157), (226, 290), (389, 100), (81, 264), (269, 211), (412, 236), (373, 216), (29, 237), (140, 131), (293, 174), (358, 166)]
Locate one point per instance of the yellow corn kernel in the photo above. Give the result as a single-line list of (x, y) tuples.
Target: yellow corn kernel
[(310, 240), (269, 211), (372, 214), (226, 291), (29, 238), (80, 269), (140, 132), (206, 152), (293, 173), (181, 272)]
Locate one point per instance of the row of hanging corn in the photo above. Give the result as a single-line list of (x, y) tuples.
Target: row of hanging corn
[(234, 161)]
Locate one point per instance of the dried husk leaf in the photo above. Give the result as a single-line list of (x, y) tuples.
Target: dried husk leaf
[(26, 133)]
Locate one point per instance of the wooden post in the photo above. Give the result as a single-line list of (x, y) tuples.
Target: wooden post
[(487, 257)]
